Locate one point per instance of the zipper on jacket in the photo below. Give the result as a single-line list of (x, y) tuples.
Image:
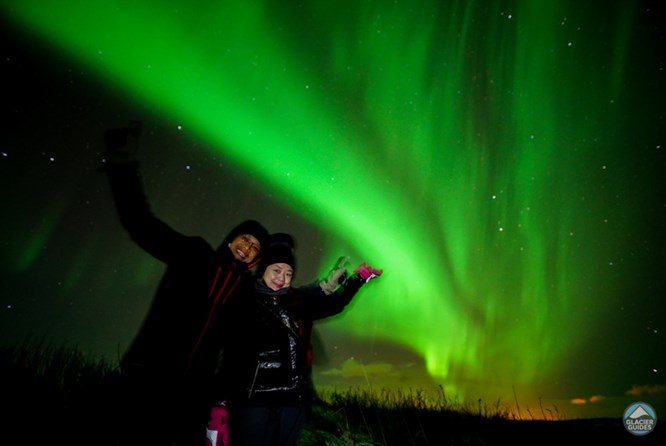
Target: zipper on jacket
[(254, 381)]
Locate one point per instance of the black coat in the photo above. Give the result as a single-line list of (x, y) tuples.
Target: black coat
[(267, 357), (174, 340)]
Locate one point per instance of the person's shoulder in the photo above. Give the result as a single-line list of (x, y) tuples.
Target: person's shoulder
[(195, 251), (200, 243)]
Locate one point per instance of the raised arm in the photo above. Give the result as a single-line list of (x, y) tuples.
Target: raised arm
[(330, 296), (144, 228)]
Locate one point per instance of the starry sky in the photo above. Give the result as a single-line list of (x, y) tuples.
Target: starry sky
[(502, 161)]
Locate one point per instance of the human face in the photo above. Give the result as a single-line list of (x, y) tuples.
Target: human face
[(245, 248), (278, 275)]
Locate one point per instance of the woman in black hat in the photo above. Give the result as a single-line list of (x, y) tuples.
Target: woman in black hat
[(265, 374)]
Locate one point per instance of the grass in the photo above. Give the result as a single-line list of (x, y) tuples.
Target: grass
[(56, 395)]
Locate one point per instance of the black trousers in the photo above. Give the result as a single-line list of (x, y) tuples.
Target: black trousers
[(266, 426), (151, 409)]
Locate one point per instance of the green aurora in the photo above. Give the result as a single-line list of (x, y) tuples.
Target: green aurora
[(469, 148)]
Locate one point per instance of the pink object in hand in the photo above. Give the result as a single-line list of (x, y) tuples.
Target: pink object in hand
[(367, 272), (217, 432)]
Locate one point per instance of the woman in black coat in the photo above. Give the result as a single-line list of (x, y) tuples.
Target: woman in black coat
[(266, 367)]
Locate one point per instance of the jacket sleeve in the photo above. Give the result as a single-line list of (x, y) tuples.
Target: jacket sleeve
[(319, 305), (150, 233)]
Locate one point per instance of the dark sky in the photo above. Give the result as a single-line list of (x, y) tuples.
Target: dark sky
[(503, 163)]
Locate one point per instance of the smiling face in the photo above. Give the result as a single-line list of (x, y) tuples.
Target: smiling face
[(245, 247), (278, 275)]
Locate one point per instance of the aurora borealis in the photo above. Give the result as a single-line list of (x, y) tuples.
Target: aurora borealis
[(502, 162)]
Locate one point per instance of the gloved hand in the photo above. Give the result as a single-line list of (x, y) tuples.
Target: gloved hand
[(367, 272), (335, 277), (121, 144)]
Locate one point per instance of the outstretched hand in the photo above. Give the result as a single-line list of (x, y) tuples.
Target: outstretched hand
[(122, 143), (335, 277), (367, 272)]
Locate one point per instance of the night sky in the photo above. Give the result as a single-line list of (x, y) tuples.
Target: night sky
[(503, 162)]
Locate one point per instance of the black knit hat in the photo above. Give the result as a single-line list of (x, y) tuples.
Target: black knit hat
[(280, 250)]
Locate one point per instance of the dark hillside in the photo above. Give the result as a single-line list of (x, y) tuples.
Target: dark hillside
[(57, 396)]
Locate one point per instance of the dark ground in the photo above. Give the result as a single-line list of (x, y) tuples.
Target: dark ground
[(55, 396), (412, 428)]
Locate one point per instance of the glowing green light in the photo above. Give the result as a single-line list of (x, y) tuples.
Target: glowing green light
[(440, 139)]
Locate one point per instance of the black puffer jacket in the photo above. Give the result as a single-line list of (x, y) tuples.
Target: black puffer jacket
[(267, 359), (174, 337)]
